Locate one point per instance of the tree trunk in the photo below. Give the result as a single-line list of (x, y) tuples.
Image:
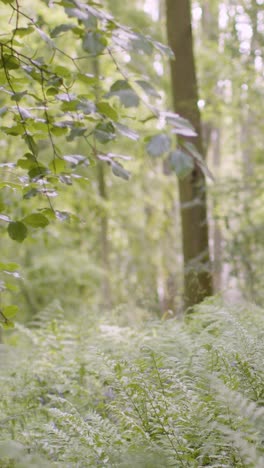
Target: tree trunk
[(210, 27), (217, 232), (197, 271), (106, 289), (104, 238)]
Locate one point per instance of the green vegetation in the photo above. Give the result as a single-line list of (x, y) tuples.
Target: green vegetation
[(94, 393), (131, 216)]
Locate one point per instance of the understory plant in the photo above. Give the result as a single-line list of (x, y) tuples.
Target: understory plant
[(172, 393)]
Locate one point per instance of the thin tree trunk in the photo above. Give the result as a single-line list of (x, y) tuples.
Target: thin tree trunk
[(217, 232), (166, 279), (105, 250), (246, 148), (198, 282), (210, 18), (104, 237)]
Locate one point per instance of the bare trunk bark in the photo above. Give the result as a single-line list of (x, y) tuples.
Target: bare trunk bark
[(197, 271)]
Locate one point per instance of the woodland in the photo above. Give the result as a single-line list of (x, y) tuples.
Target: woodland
[(132, 220)]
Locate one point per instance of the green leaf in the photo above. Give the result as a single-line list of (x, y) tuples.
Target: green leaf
[(127, 132), (76, 13), (36, 220), (86, 106), (119, 170), (60, 71), (102, 15), (61, 29), (148, 88), (66, 3), (6, 324), (18, 96), (87, 78), (52, 91), (56, 80), (10, 267), (10, 311), (141, 43), (39, 128), (158, 145), (106, 109), (26, 163), (91, 24), (182, 163), (37, 172), (94, 43), (105, 132), (17, 231), (15, 130), (30, 157), (48, 212), (125, 93), (165, 50), (10, 185), (199, 159), (70, 106), (10, 62), (58, 131), (57, 165), (32, 145), (30, 193), (180, 125), (74, 159), (34, 73), (21, 32), (12, 287), (76, 132)]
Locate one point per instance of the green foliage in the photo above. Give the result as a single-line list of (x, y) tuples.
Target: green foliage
[(182, 163), (83, 389), (158, 145), (242, 220), (169, 394), (123, 90), (51, 96), (70, 98), (17, 231)]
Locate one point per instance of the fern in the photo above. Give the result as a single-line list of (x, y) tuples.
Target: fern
[(90, 393)]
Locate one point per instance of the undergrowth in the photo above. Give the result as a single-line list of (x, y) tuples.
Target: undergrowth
[(169, 394)]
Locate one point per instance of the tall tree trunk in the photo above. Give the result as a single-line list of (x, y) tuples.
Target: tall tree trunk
[(104, 238), (105, 248), (210, 27), (217, 232), (197, 271)]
